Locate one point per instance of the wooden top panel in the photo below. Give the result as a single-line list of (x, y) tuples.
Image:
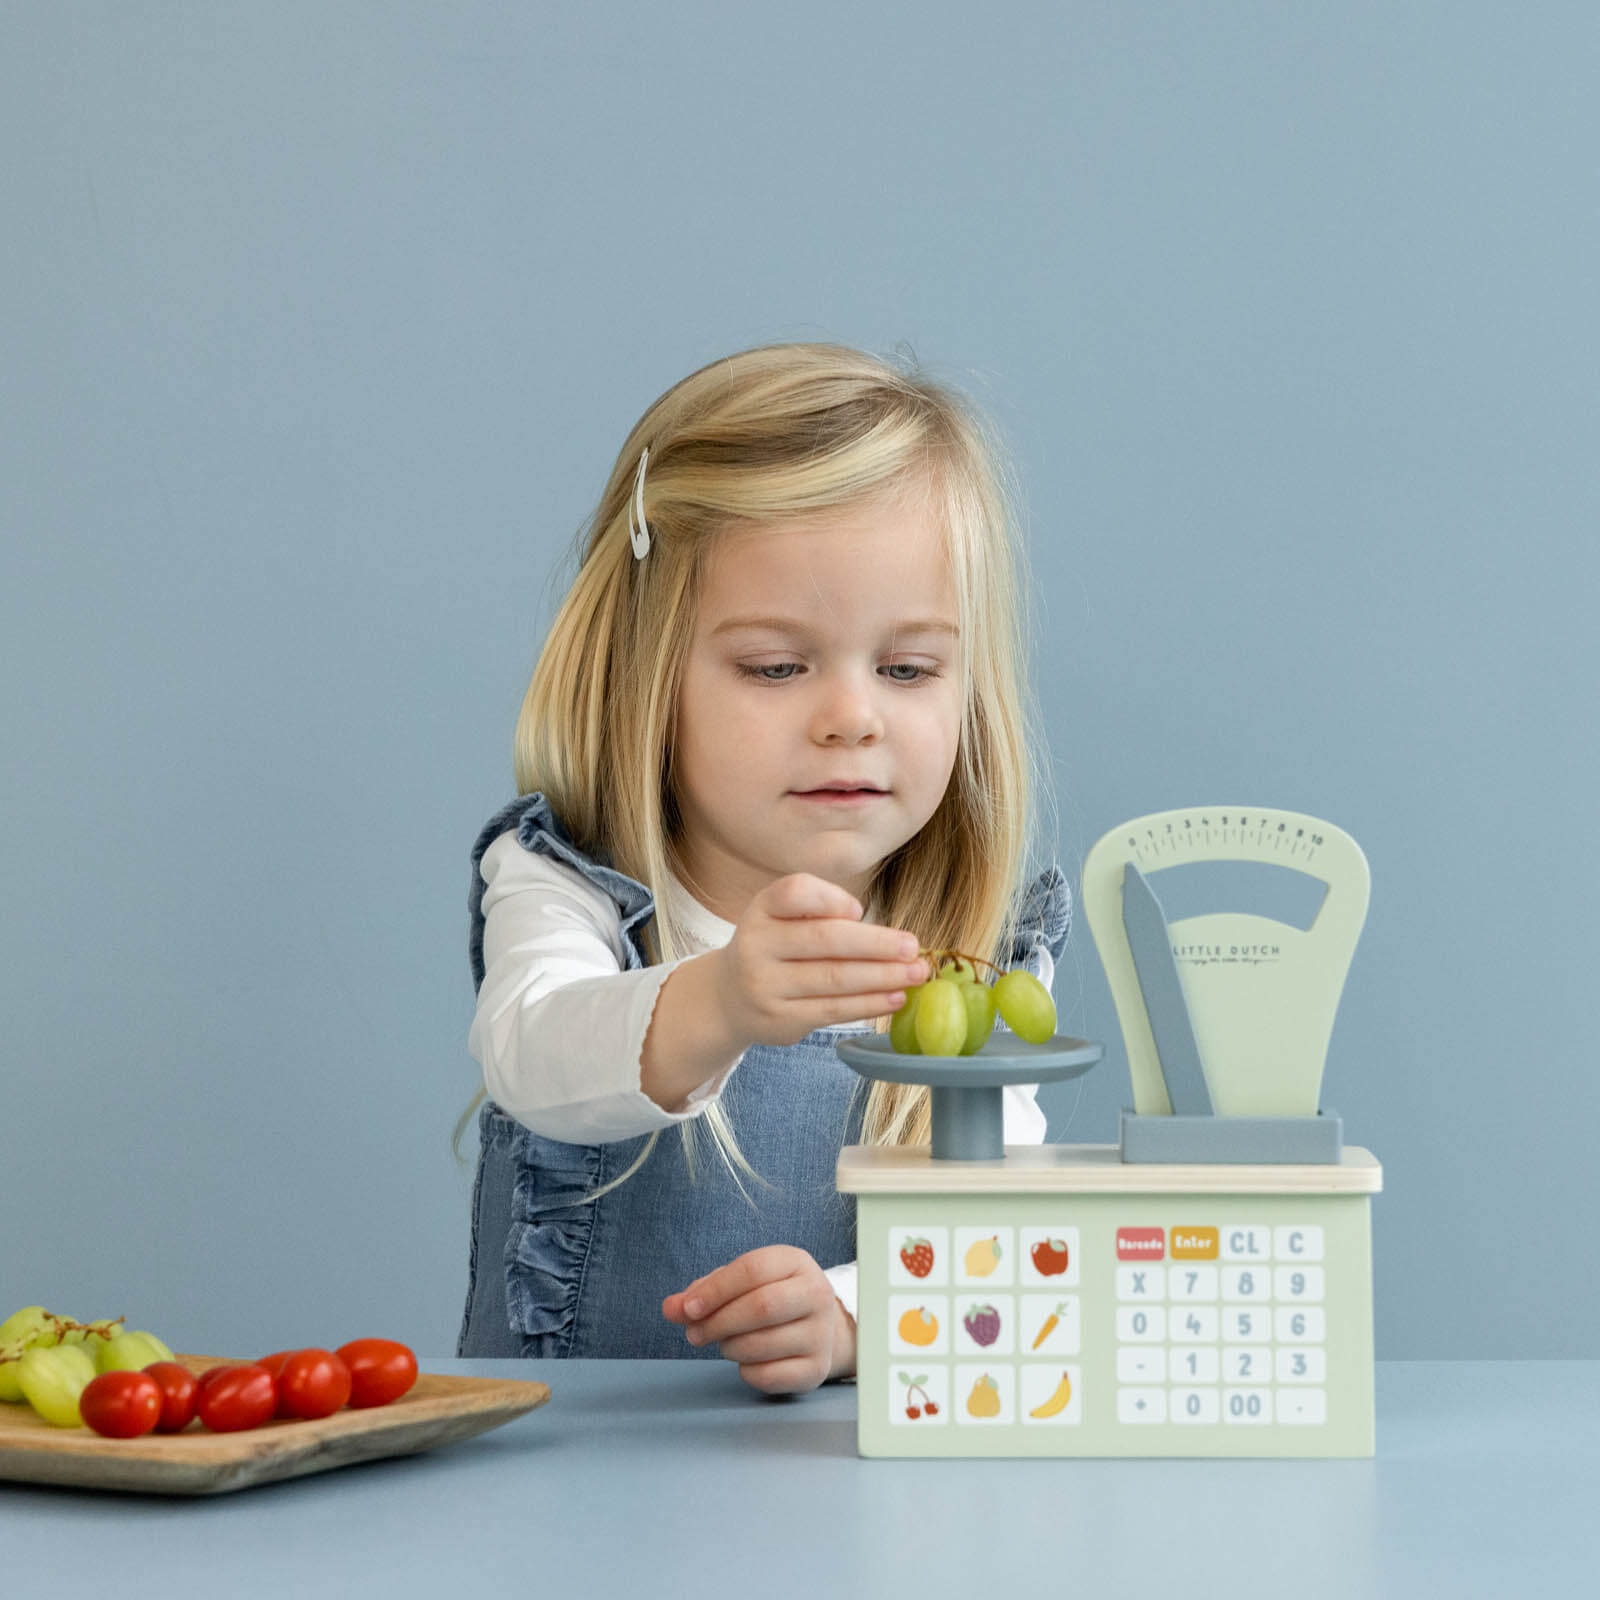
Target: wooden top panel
[(1090, 1169)]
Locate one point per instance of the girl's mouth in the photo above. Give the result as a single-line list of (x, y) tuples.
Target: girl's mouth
[(841, 796)]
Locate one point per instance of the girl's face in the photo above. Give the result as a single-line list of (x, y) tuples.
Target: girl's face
[(851, 677)]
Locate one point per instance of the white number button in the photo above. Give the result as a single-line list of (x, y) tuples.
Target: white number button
[(1247, 1405), (1302, 1366), (1141, 1324), (1297, 1283), (1244, 1327), (1192, 1283), (1194, 1366), (1194, 1405), (1297, 1325), (1193, 1325), (1247, 1365), (1247, 1283), (1297, 1244)]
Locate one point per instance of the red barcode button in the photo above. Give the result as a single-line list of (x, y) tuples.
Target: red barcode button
[(1141, 1244)]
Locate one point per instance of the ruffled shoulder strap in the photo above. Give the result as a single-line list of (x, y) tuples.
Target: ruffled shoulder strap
[(1044, 921), (540, 831)]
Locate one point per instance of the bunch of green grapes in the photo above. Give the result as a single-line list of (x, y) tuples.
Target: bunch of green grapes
[(48, 1360), (954, 1011)]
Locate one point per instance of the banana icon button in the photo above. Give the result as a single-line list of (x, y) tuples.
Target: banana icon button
[(1058, 1402)]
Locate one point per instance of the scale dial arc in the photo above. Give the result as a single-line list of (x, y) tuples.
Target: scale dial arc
[(1261, 995)]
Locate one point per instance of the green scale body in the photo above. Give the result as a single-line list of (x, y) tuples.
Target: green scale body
[(1199, 1312)]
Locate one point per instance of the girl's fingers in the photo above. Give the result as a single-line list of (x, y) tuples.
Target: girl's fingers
[(857, 1007), (825, 941), (799, 1338), (796, 1375), (773, 1306), (766, 1264), (810, 980), (803, 894), (767, 1310), (768, 1303)]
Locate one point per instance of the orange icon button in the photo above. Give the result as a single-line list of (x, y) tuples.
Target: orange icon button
[(1194, 1244)]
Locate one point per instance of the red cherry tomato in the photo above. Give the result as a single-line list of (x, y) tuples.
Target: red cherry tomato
[(211, 1374), (380, 1371), (275, 1364), (179, 1387), (242, 1395), (121, 1405), (312, 1383)]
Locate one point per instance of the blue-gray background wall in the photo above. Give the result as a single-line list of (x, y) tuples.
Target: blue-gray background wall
[(320, 325)]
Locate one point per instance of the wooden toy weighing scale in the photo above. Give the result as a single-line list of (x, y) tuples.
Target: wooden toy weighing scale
[(1201, 1288)]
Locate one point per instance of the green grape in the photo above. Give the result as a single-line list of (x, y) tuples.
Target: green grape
[(23, 1329), (24, 1324), (903, 1027), (941, 1018), (958, 968), (979, 1001), (1025, 1005), (53, 1378), (130, 1352)]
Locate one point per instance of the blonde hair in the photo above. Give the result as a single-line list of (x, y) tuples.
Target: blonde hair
[(768, 435)]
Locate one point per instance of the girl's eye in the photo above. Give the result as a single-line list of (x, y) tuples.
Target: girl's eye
[(788, 668)]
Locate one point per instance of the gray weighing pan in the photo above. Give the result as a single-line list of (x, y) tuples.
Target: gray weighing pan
[(968, 1106)]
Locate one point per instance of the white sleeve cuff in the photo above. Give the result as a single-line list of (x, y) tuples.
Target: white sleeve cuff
[(843, 1280)]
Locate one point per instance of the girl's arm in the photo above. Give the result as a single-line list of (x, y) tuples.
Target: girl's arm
[(560, 1026), (688, 1040)]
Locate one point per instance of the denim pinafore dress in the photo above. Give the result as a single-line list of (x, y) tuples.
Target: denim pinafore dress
[(552, 1275)]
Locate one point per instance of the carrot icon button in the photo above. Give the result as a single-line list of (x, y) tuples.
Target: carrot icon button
[(1049, 1327)]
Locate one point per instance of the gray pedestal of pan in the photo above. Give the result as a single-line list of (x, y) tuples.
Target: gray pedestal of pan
[(968, 1105)]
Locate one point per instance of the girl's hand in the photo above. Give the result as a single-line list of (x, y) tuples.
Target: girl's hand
[(774, 1312), (801, 958)]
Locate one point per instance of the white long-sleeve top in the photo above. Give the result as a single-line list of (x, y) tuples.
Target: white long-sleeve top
[(560, 1025)]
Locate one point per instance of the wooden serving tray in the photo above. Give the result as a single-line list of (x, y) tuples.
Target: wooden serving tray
[(435, 1410)]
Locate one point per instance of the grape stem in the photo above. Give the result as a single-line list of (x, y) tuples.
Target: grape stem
[(60, 1326), (936, 956)]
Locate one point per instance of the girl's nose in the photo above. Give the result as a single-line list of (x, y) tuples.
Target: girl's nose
[(847, 710)]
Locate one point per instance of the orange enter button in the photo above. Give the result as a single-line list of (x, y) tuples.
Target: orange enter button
[(1194, 1244)]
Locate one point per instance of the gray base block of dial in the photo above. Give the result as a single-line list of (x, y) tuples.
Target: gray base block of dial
[(1230, 1141)]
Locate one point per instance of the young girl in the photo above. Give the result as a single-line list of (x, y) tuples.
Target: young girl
[(774, 746)]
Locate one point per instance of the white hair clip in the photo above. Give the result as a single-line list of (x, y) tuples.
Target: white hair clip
[(638, 528)]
